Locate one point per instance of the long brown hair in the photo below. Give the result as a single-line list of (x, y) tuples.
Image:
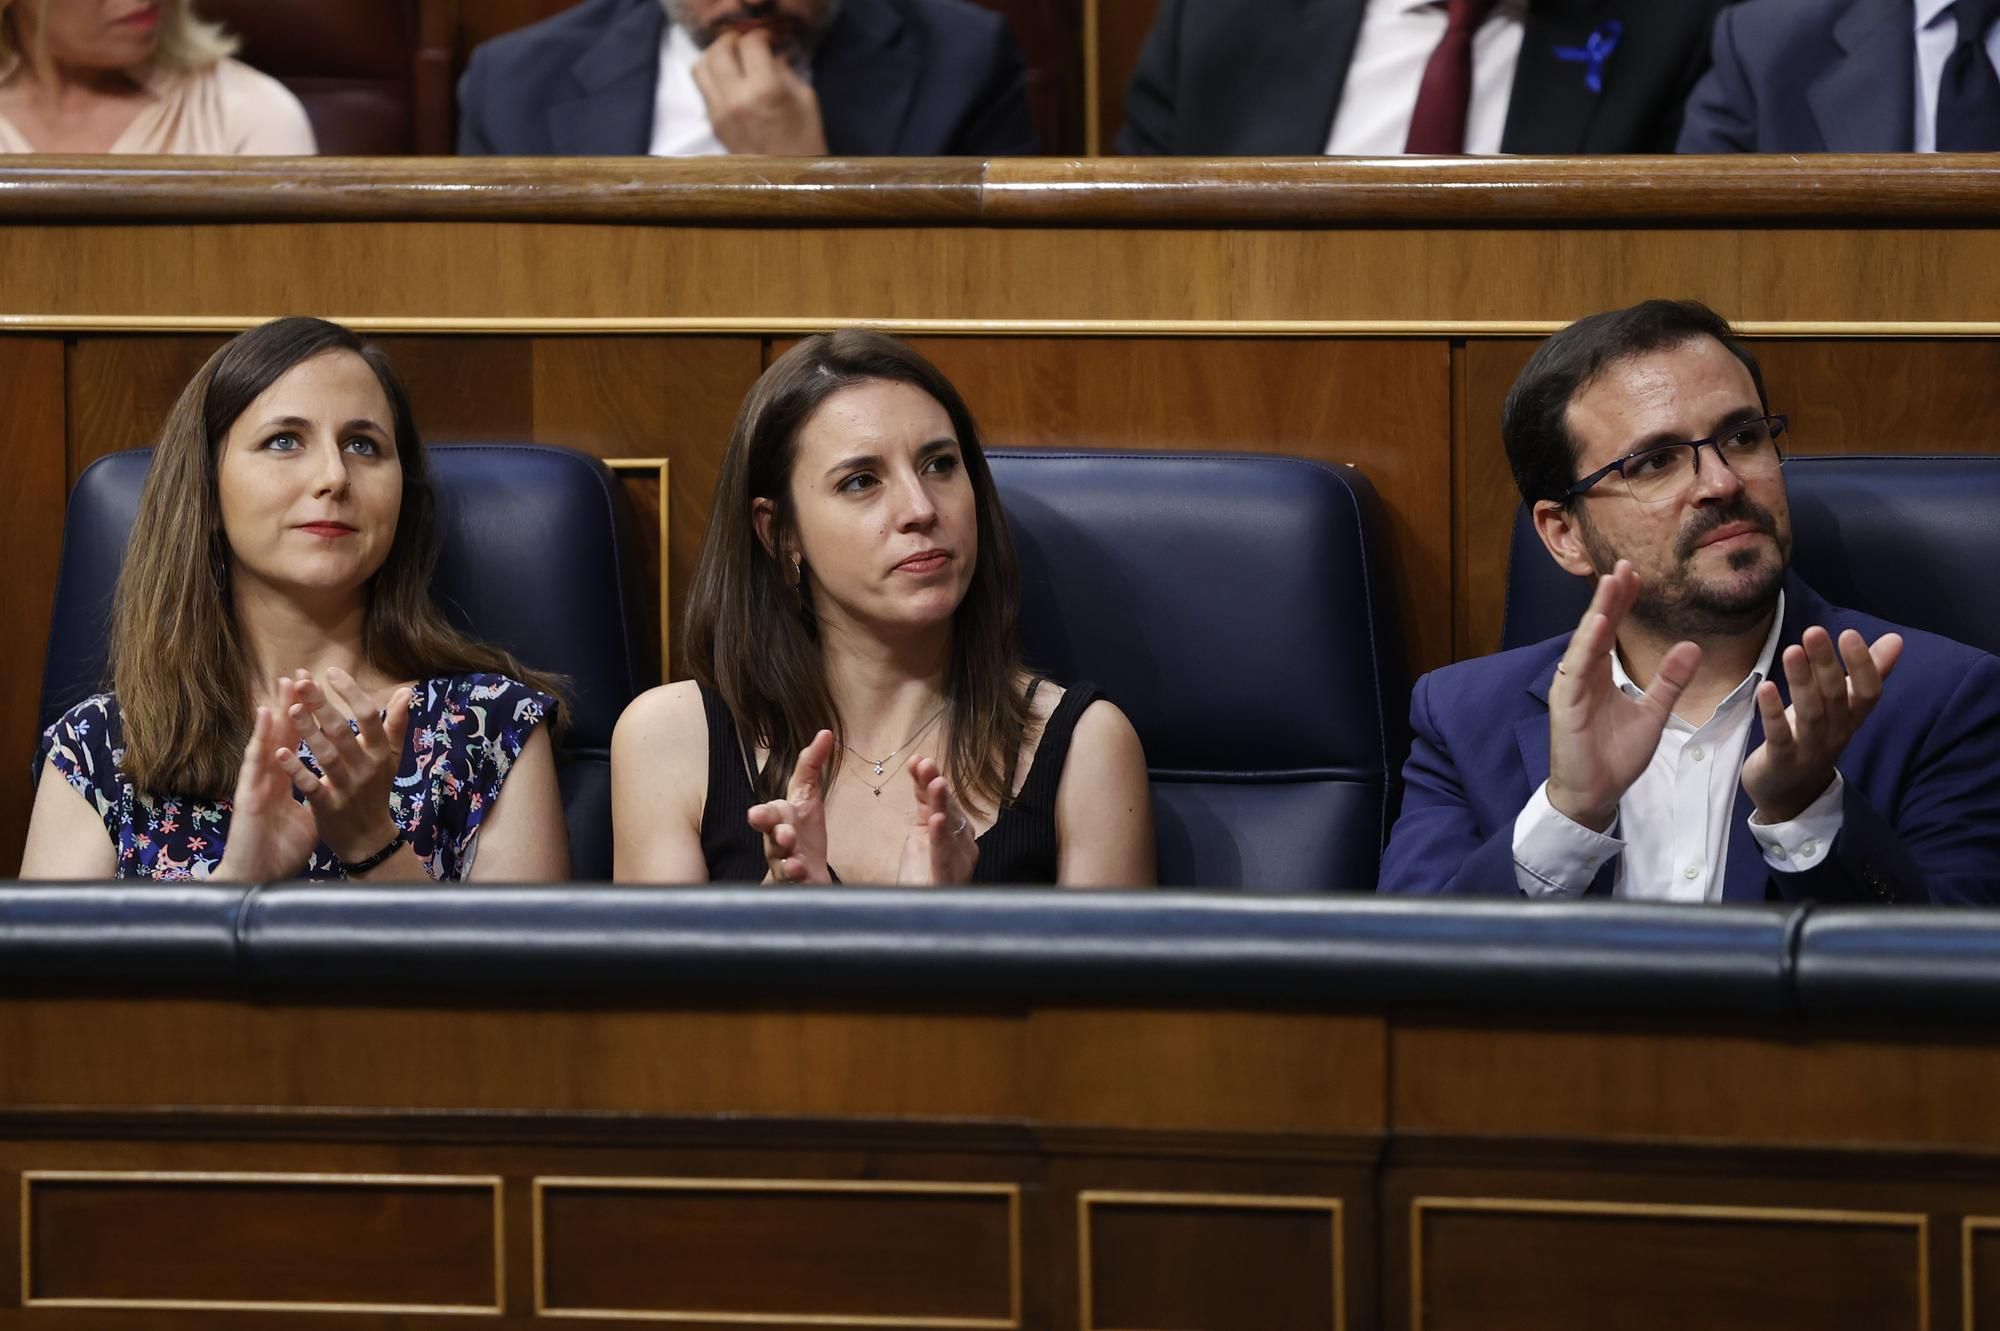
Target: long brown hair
[(751, 636), (178, 663)]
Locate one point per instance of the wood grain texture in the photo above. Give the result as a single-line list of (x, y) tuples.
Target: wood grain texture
[(1379, 405), (650, 397), (33, 486), (121, 389), (1530, 1265), (257, 1241), (774, 1251), (1143, 192), (1207, 1263), (1122, 26), (1156, 1070), (1655, 1080)]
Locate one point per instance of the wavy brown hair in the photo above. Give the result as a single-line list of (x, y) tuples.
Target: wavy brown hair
[(178, 662), (750, 636)]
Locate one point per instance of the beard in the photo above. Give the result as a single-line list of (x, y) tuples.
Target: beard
[(1680, 604), (793, 37)]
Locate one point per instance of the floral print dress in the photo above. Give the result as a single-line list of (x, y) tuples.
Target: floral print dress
[(465, 733)]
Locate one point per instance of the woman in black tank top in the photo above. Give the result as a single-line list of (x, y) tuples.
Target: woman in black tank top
[(857, 590)]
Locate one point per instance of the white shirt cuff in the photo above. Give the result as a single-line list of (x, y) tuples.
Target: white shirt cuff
[(1555, 856), (1802, 843)]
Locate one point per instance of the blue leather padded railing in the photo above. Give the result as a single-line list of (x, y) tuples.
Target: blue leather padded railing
[(636, 943), (1891, 536), (532, 557), (1236, 608)]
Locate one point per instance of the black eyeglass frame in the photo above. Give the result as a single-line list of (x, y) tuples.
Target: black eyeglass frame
[(1778, 423)]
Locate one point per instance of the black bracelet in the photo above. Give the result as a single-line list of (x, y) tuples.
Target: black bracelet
[(376, 860)]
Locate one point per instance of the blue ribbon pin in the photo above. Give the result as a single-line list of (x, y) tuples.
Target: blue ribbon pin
[(1594, 53)]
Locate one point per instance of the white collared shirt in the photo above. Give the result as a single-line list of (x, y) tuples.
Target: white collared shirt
[(1671, 836), (1379, 99), (1937, 37), (681, 127)]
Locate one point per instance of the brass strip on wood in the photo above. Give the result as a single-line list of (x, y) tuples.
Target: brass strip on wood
[(1011, 1192), (29, 1178), (1916, 1221), (661, 468), (1972, 1226), (799, 325), (1087, 1316)]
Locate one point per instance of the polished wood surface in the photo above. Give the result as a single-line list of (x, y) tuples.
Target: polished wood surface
[(1360, 1169)]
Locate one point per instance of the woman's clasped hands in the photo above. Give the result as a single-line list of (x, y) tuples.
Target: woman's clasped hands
[(357, 751), (940, 849)]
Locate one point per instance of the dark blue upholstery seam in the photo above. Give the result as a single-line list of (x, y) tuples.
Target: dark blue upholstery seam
[(1271, 776), (1367, 588), (1788, 959), (241, 954), (598, 473)]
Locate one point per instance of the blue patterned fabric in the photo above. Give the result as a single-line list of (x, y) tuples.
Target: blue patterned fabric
[(465, 733)]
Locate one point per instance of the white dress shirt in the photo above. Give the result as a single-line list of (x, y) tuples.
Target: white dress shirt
[(681, 126), (1379, 99), (1937, 37), (1671, 836)]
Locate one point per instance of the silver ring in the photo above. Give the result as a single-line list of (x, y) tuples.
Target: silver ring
[(960, 829)]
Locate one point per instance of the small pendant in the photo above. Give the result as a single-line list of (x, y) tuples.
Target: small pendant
[(878, 769), (878, 794)]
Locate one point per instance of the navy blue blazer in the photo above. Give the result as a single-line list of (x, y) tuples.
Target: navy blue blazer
[(1921, 820), (902, 78), (1805, 76)]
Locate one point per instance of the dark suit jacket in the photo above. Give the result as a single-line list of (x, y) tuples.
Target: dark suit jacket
[(1803, 76), (905, 78), (1222, 78), (1921, 819)]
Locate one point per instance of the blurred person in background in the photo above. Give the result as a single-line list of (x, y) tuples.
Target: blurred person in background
[(794, 78), (135, 76), (1372, 78), (1850, 76)]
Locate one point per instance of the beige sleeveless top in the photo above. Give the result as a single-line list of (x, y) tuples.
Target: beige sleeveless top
[(227, 109)]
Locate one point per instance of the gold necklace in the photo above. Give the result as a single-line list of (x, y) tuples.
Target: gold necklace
[(881, 765)]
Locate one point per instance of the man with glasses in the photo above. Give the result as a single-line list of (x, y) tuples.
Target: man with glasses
[(1712, 730)]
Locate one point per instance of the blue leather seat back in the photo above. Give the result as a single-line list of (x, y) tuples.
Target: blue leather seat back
[(532, 558), (1907, 538), (1235, 607)]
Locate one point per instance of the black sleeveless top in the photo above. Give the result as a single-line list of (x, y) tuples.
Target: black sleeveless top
[(1020, 847)]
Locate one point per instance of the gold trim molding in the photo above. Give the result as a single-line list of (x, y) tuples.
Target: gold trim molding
[(1918, 1222), (1011, 1192), (1969, 1229), (660, 468), (796, 325), (1196, 1201), (29, 1178)]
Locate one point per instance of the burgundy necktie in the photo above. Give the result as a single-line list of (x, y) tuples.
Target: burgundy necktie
[(1439, 123)]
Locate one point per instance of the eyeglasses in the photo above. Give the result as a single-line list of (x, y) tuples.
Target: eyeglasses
[(1656, 475)]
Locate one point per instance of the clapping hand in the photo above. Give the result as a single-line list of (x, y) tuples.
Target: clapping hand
[(794, 828), (1601, 740), (757, 103), (271, 835), (1795, 763), (940, 849)]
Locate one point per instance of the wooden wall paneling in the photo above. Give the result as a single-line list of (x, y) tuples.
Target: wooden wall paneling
[(1979, 1257), (671, 397), (1530, 1264), (1171, 1071), (33, 488), (1122, 26), (1485, 497), (327, 1242), (935, 1254), (1383, 406), (122, 387), (477, 390), (1655, 1079), (1186, 1259)]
